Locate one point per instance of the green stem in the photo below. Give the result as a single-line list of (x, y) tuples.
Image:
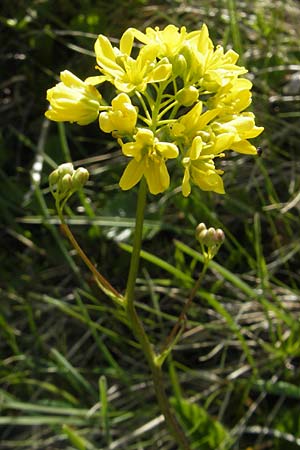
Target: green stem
[(142, 101), (166, 109), (103, 282), (64, 141), (138, 328), (135, 322), (163, 402), (172, 338), (137, 243), (157, 105)]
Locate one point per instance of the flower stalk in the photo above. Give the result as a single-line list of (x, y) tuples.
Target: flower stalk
[(105, 285), (139, 331)]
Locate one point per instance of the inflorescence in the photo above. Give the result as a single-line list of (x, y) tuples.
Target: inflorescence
[(177, 97)]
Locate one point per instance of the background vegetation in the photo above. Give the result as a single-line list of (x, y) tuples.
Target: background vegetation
[(71, 375)]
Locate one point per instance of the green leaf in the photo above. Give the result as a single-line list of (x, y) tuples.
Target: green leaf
[(79, 442), (278, 388), (205, 433)]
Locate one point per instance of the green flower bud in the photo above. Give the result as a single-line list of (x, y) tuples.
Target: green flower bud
[(202, 237), (66, 168), (199, 229), (179, 65), (219, 236), (188, 55), (79, 178), (210, 238), (53, 177), (187, 96), (65, 183)]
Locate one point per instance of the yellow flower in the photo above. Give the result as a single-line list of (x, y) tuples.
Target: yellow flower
[(194, 51), (121, 118), (200, 168), (209, 69), (200, 40), (166, 42), (126, 73), (149, 156), (232, 98), (243, 127), (220, 69), (73, 100), (193, 122)]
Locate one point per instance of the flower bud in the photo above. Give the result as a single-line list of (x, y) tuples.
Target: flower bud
[(79, 178), (73, 100), (200, 228), (179, 65), (188, 55), (121, 118), (202, 236), (187, 96), (65, 183), (210, 238), (53, 177), (219, 236), (66, 168)]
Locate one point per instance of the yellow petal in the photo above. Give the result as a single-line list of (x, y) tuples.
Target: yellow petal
[(126, 41), (207, 180), (160, 73), (69, 79), (105, 122), (244, 147), (132, 149), (167, 149), (157, 176), (206, 117), (144, 137), (105, 55), (98, 79), (196, 148), (186, 186), (256, 131), (223, 142), (132, 174)]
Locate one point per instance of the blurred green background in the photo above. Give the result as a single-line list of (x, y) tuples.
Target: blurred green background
[(71, 375)]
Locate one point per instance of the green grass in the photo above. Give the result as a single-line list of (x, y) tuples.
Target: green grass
[(71, 373)]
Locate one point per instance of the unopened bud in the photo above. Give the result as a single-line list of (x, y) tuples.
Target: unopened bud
[(179, 65), (79, 178), (210, 238), (65, 183), (187, 96), (219, 236), (53, 177), (200, 228), (188, 55), (66, 168)]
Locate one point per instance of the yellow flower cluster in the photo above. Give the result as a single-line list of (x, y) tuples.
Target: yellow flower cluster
[(177, 96)]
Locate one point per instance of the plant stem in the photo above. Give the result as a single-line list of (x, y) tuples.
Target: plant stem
[(163, 402), (107, 287), (137, 242), (135, 322), (138, 328), (173, 334)]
